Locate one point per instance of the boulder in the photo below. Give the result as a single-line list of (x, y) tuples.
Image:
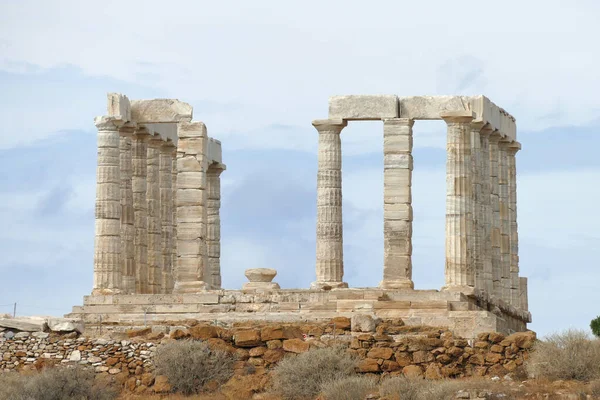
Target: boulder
[(65, 325), (247, 338), (24, 324), (161, 384), (295, 346), (363, 323)]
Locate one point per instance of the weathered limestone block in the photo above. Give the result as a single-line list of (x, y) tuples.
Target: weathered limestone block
[(363, 323), (459, 269), (24, 324), (432, 107), (160, 111), (119, 106), (65, 325), (363, 107)]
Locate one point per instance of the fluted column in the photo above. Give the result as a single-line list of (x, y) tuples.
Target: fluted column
[(174, 219), (477, 231), (139, 150), (495, 208), (486, 210), (166, 214), (515, 294), (330, 244), (459, 269), (191, 202), (127, 213), (107, 243), (154, 225), (397, 199), (213, 238), (503, 200), (523, 296)]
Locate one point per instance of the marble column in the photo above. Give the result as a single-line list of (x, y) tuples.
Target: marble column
[(524, 302), (330, 246), (190, 203), (166, 214), (213, 238), (476, 233), (154, 225), (486, 210), (127, 213), (107, 243), (495, 208), (397, 200), (174, 219), (512, 150), (503, 200), (139, 150), (459, 271)]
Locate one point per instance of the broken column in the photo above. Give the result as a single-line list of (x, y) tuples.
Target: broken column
[(213, 238), (107, 246), (330, 248), (190, 269), (459, 267), (397, 199)]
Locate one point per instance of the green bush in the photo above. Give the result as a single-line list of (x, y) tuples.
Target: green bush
[(190, 365), (569, 355), (595, 325), (302, 376), (349, 388), (55, 384)]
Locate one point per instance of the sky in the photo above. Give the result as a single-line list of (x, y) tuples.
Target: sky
[(257, 73)]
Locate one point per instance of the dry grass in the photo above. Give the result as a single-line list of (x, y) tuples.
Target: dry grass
[(301, 377), (572, 354), (54, 384), (190, 365), (350, 388)]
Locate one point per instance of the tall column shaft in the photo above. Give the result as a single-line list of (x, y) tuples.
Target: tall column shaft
[(523, 297), (504, 199), (190, 203), (330, 246), (107, 244), (460, 274), (154, 220), (397, 200), (513, 148), (213, 238), (127, 213), (166, 215), (174, 219), (486, 210), (139, 149), (495, 208), (478, 229)]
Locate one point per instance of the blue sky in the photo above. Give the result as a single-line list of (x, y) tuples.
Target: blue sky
[(257, 75)]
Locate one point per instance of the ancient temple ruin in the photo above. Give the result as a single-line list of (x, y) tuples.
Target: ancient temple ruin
[(158, 226)]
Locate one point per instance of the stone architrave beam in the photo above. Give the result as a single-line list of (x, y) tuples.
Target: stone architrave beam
[(363, 107), (160, 111)]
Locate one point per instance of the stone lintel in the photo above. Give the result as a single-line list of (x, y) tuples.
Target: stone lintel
[(158, 111), (363, 107)]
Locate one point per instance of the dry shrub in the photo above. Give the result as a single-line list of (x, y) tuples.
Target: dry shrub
[(302, 376), (190, 365), (55, 384), (595, 388), (569, 355), (403, 388), (349, 388)]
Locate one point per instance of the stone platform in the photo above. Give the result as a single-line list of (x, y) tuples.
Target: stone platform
[(465, 316)]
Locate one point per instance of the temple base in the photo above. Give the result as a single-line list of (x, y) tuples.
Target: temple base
[(190, 287)]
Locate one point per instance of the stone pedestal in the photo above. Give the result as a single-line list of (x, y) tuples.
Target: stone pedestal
[(397, 208), (330, 247), (260, 279), (460, 274), (107, 246)]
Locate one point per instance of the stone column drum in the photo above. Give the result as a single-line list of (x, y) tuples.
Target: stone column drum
[(166, 215), (107, 248), (139, 150), (127, 213), (191, 202), (330, 247), (495, 208), (512, 150), (213, 239), (459, 269), (397, 199)]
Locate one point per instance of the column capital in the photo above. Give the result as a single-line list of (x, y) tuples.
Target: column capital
[(167, 146), (478, 125), (106, 123), (514, 147), (505, 142), (156, 141), (128, 129), (495, 136), (457, 116), (486, 130), (399, 121), (216, 168), (330, 125)]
